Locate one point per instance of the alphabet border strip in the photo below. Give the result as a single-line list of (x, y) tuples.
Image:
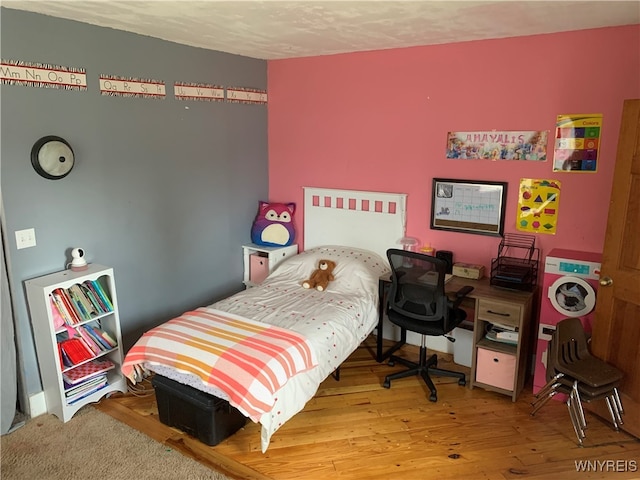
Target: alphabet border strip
[(116, 86), (198, 91), (42, 75), (246, 95)]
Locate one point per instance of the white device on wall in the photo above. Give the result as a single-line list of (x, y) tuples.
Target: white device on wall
[(78, 261)]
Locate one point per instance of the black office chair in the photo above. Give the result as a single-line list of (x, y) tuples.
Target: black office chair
[(417, 302)]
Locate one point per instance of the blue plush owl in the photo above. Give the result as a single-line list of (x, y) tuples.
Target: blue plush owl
[(273, 226)]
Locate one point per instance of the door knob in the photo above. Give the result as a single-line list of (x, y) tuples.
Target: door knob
[(606, 282)]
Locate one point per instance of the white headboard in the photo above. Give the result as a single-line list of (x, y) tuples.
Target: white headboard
[(353, 218)]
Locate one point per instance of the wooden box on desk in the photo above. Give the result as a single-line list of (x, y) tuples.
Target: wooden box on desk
[(468, 270)]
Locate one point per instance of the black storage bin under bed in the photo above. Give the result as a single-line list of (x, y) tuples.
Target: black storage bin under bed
[(210, 419)]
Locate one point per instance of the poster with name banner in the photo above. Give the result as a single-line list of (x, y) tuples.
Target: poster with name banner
[(538, 203), (577, 143), (498, 145)]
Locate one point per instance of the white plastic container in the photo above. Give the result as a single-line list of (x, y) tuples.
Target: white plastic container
[(463, 346)]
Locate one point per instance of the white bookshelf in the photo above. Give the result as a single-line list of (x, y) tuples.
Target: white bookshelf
[(47, 337)]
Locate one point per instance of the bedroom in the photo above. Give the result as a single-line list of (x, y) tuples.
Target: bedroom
[(165, 191)]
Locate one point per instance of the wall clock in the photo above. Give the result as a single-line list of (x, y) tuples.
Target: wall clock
[(52, 157)]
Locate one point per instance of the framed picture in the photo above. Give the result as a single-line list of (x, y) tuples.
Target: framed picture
[(468, 206)]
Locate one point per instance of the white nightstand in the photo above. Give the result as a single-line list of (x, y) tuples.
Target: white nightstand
[(259, 261)]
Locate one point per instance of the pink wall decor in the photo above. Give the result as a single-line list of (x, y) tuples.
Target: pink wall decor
[(576, 143), (497, 145)]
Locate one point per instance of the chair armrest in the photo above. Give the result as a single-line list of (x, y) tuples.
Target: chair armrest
[(460, 294)]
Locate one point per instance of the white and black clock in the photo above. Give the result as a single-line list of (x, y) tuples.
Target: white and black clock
[(52, 157)]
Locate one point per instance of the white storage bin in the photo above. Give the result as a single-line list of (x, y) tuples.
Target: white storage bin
[(463, 346)]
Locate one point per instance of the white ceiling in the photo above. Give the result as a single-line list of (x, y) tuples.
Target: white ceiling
[(284, 29)]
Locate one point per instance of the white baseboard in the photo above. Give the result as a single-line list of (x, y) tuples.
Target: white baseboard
[(37, 405)]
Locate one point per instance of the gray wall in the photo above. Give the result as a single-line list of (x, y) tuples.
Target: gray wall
[(163, 191)]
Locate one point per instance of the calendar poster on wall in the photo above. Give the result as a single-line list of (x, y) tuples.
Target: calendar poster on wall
[(468, 206), (577, 143)]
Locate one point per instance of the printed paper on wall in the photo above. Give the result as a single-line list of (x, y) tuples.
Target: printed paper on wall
[(42, 75), (538, 202), (577, 143), (498, 145), (115, 86)]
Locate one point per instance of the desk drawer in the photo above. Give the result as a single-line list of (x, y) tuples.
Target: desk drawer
[(495, 368), (505, 313)]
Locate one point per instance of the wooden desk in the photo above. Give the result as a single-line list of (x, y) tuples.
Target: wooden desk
[(495, 366)]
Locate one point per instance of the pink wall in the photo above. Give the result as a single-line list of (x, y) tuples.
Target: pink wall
[(379, 121)]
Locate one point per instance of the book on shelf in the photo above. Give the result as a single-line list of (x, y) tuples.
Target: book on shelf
[(92, 298), (75, 350), (109, 339), (61, 358), (65, 309), (95, 335), (507, 335), (88, 340), (92, 288), (504, 327), (85, 389), (497, 334), (103, 295), (79, 396), (88, 311), (66, 361), (84, 385), (87, 371), (58, 319), (71, 305)]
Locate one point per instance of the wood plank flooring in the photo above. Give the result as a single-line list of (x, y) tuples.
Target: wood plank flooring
[(355, 429)]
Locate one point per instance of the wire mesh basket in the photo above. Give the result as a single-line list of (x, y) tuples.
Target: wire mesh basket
[(516, 266)]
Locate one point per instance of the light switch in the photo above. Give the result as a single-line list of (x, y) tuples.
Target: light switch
[(25, 238)]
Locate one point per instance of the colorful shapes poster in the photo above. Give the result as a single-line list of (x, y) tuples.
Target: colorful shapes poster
[(538, 203), (577, 143), (498, 145)]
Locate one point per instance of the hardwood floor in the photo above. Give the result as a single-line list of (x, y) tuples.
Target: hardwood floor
[(355, 429)]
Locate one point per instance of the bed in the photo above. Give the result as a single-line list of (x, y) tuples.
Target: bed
[(353, 228)]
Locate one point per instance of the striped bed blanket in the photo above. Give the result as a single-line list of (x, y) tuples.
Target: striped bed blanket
[(248, 360)]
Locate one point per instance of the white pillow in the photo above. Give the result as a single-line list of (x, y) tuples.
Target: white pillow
[(357, 270)]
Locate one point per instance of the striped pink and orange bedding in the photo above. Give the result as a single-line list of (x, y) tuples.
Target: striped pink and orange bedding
[(248, 360)]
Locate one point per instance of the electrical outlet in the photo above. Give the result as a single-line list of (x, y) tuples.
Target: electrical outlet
[(25, 238)]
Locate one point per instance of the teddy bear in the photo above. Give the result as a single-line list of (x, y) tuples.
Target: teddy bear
[(321, 277)]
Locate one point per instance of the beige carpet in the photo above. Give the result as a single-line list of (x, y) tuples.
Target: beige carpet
[(92, 445)]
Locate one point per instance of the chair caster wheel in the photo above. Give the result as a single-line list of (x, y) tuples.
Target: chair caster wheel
[(433, 397), (391, 363), (387, 383), (462, 382)]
